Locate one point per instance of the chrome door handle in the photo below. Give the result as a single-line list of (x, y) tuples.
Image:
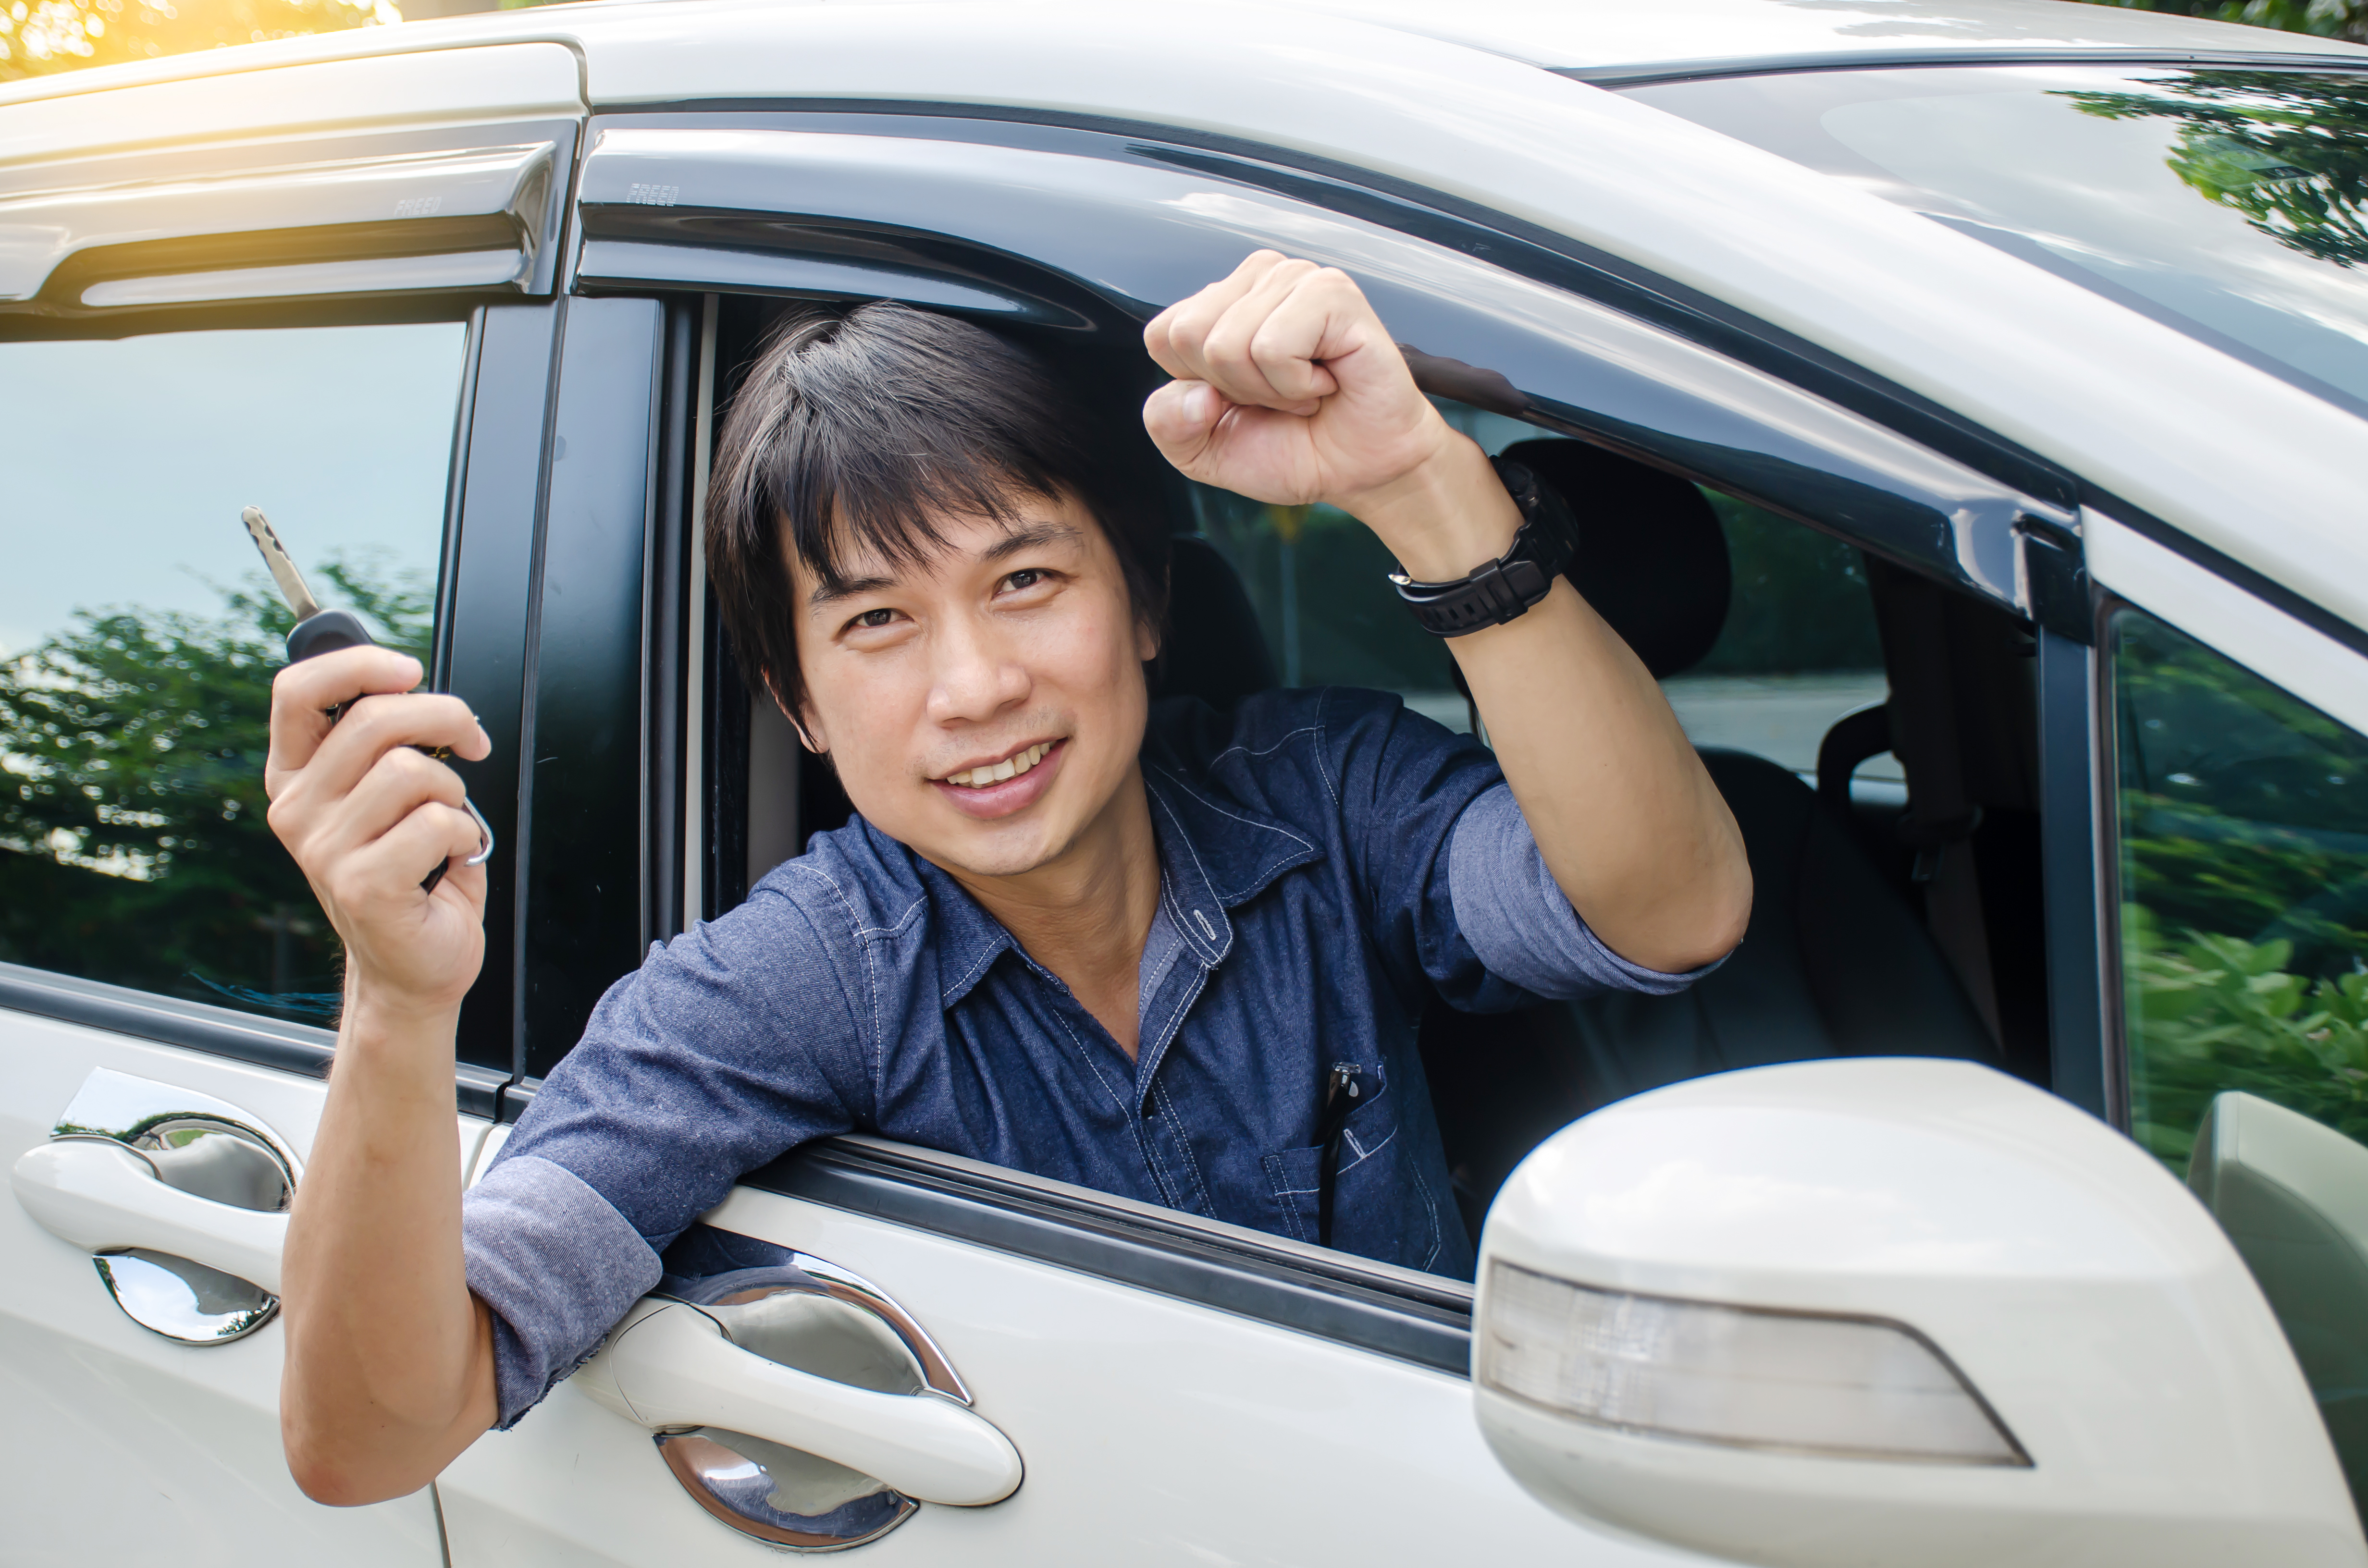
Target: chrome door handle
[(106, 1198), (181, 1198), (670, 1365)]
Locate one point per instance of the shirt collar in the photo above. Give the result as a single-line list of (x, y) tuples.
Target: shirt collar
[(1212, 859)]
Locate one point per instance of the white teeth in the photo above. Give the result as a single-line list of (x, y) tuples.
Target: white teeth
[(995, 773)]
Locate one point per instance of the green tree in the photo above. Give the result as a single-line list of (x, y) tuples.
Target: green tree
[(2326, 19), (38, 37), (133, 846), (2244, 868)]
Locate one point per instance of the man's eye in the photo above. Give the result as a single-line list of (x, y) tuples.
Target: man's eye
[(874, 618), (1026, 578)]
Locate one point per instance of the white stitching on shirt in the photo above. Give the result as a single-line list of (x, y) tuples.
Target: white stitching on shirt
[(910, 915), (1266, 751), (1159, 1177), (1321, 698), (1208, 957), (1282, 1197), (994, 952), (1363, 1154), (1176, 1125), (864, 948), (1221, 811), (1430, 1208)]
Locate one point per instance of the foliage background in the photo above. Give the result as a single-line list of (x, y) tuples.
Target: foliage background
[(2327, 18), (133, 847), (40, 37), (2243, 867)]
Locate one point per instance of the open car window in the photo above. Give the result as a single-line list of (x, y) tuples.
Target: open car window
[(1794, 650)]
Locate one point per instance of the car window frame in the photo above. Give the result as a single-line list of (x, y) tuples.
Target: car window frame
[(1421, 1319)]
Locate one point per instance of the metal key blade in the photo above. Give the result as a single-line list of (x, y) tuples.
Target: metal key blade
[(301, 602)]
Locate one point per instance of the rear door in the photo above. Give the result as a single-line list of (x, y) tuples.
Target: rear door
[(351, 331), (1177, 1391)]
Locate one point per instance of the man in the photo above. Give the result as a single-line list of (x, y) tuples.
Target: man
[(1157, 952)]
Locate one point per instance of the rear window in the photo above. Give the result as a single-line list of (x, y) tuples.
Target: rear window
[(2227, 204)]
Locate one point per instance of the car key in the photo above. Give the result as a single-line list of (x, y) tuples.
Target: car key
[(318, 631)]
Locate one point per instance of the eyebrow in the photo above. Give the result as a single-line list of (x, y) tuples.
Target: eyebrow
[(1034, 536)]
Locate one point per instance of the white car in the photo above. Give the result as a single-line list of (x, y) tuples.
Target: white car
[(1966, 403)]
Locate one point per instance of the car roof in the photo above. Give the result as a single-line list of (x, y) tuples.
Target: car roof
[(1621, 37), (2243, 462), (1608, 39)]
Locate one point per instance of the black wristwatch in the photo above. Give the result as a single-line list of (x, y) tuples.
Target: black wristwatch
[(1510, 585)]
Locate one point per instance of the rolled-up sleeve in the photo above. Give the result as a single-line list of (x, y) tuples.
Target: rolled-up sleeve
[(558, 1265), (1513, 914), (733, 1044)]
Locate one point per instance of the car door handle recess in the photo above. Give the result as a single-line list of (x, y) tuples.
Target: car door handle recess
[(670, 1367), (106, 1198), (182, 1199)]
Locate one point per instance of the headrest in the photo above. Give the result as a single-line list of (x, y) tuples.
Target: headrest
[(1214, 648), (1652, 559)]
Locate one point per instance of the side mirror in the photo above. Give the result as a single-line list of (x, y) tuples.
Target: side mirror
[(1891, 1311)]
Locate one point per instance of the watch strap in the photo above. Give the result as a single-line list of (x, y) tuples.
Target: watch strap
[(1502, 589)]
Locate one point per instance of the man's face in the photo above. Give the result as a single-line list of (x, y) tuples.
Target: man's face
[(985, 708)]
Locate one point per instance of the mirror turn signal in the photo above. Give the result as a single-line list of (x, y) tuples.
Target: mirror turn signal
[(1793, 1382)]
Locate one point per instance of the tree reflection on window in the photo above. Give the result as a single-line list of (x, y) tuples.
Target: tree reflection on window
[(2244, 863), (133, 846), (2288, 150)]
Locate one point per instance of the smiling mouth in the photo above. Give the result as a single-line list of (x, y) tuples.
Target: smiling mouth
[(1011, 766)]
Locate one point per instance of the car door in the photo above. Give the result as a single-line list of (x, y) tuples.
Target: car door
[(236, 320), (2240, 869), (1170, 1390)]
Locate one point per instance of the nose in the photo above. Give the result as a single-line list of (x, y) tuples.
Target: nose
[(977, 675)]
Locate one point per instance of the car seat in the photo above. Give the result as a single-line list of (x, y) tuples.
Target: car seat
[(1836, 961)]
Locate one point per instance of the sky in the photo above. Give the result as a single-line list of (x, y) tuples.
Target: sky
[(128, 462)]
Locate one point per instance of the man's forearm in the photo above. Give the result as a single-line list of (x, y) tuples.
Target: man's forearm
[(1634, 832), (1637, 834), (389, 1361)]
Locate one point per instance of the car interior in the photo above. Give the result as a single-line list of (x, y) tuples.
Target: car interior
[(1885, 921)]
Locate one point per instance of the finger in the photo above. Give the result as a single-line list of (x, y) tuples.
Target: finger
[(1352, 346), (1267, 351), (381, 724), (304, 693), (397, 784), (1313, 323), (387, 873), (1226, 360), (1181, 419), (321, 825), (1175, 334)]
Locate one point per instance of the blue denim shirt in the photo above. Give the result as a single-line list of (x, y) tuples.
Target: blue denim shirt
[(1329, 862)]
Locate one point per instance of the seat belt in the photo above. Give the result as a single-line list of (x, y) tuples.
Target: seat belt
[(1912, 616)]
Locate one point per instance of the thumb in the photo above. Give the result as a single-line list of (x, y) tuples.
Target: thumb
[(1181, 416)]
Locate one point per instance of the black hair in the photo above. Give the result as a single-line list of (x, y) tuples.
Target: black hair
[(857, 427)]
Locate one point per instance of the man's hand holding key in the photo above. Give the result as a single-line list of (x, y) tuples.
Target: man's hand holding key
[(363, 813)]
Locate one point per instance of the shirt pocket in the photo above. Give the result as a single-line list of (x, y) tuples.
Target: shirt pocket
[(1373, 1214)]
